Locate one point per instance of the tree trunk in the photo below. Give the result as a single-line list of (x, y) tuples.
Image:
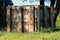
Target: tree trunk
[(52, 3), (41, 2), (56, 11)]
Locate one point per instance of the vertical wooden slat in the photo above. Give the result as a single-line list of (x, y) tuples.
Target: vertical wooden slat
[(52, 12), (41, 17), (35, 12), (47, 18), (8, 19), (16, 19), (28, 19), (19, 24)]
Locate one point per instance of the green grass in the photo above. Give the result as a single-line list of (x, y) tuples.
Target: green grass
[(58, 21), (32, 36)]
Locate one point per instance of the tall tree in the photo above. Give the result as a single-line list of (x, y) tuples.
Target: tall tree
[(56, 11), (41, 14), (41, 2), (52, 3)]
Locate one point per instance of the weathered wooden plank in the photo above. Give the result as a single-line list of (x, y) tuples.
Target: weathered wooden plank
[(8, 19), (28, 19)]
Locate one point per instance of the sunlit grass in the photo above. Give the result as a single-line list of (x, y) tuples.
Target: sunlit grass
[(58, 21), (30, 36)]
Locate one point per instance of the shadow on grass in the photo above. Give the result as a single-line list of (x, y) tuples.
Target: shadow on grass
[(50, 29), (56, 29)]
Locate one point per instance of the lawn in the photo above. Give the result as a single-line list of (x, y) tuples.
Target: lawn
[(32, 36), (58, 21)]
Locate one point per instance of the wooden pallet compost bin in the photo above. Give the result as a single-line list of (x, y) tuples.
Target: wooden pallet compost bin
[(28, 18)]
